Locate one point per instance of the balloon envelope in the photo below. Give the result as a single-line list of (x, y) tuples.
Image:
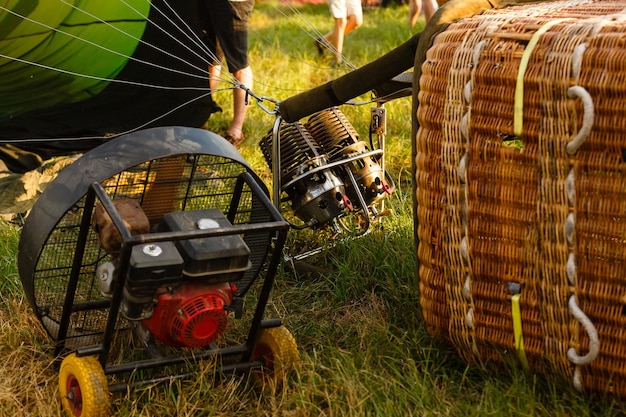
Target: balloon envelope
[(81, 68)]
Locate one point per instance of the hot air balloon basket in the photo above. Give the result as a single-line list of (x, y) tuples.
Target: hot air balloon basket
[(521, 190)]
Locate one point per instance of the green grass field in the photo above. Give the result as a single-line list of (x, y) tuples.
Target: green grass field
[(364, 348)]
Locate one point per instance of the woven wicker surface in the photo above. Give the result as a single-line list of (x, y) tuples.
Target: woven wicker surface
[(510, 206)]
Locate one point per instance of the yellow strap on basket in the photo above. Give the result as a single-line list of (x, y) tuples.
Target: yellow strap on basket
[(517, 330), (518, 113)]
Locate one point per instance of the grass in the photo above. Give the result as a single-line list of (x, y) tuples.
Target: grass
[(365, 350)]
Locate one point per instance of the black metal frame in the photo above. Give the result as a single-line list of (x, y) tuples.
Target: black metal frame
[(278, 227), (80, 187)]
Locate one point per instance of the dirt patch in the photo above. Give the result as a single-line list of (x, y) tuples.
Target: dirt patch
[(19, 192)]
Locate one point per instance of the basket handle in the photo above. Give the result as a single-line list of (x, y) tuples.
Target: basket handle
[(594, 341), (588, 115)]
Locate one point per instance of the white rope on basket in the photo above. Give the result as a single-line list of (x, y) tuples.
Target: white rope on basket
[(594, 340), (577, 60), (588, 116), (569, 226), (594, 344)]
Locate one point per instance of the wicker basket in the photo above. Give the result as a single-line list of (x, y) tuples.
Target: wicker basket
[(521, 189)]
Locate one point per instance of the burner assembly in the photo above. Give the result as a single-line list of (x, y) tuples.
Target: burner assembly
[(316, 193), (326, 172), (340, 141)]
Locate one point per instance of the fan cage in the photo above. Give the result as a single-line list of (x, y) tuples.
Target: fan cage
[(176, 183)]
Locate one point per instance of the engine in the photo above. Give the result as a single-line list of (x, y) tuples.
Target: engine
[(337, 137), (317, 195), (193, 315), (178, 291), (325, 170)]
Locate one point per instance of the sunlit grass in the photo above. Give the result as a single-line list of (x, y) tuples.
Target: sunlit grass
[(364, 348)]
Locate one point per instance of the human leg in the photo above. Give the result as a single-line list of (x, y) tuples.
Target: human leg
[(430, 7), (215, 69), (355, 15), (245, 77), (353, 23), (335, 37), (214, 79), (348, 15), (333, 40), (415, 9), (354, 20), (230, 23)]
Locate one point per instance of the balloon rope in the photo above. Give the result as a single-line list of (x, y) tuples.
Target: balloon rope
[(109, 136), (189, 34), (194, 38), (94, 77), (202, 52), (202, 70), (97, 46), (312, 32)]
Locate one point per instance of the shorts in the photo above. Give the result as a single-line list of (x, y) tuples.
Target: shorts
[(225, 23), (345, 8)]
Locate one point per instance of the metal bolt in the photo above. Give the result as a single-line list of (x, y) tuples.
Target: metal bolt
[(152, 250), (204, 224)]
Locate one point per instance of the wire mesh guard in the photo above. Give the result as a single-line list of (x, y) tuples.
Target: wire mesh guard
[(87, 278), (521, 189)]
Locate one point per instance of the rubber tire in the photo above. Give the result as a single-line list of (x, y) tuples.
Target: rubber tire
[(84, 376), (278, 349)]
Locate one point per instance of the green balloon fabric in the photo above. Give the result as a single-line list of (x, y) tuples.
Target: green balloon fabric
[(74, 73), (54, 52)]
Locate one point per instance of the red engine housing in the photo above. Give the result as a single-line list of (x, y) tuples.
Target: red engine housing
[(191, 316)]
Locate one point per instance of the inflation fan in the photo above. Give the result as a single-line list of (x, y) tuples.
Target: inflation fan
[(137, 258)]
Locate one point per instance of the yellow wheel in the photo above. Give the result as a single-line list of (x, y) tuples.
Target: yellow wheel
[(83, 386), (278, 351)]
